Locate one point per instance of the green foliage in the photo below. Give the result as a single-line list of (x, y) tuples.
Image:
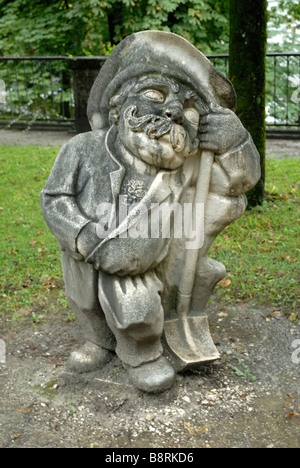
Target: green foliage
[(243, 370), (92, 27), (28, 27), (284, 26), (204, 23)]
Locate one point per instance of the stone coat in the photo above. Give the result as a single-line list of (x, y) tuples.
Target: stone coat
[(86, 174)]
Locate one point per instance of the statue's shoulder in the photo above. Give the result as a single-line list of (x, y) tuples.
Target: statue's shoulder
[(84, 143)]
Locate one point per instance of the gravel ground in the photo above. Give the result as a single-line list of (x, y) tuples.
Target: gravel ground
[(248, 399)]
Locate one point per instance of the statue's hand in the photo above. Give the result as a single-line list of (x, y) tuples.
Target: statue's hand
[(221, 130), (88, 240)]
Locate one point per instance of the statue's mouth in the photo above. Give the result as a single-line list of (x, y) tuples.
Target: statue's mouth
[(157, 128)]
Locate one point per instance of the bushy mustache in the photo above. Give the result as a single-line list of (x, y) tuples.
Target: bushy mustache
[(155, 127)]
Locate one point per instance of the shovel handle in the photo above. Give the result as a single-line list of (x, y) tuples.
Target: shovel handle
[(191, 256)]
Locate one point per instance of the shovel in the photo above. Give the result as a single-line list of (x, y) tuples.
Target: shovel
[(187, 337)]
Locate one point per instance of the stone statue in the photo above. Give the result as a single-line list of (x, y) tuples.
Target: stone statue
[(165, 142)]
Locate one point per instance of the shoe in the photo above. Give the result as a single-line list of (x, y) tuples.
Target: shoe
[(88, 358), (153, 377)]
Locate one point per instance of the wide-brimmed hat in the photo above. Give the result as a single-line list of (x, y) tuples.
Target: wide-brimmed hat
[(159, 53)]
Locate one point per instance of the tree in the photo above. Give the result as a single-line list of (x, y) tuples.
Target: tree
[(51, 27), (92, 27), (205, 23), (284, 26), (247, 63)]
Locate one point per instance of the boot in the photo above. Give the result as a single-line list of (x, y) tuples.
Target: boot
[(153, 377), (88, 358)]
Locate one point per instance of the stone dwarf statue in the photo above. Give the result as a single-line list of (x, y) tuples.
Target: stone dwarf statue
[(155, 106)]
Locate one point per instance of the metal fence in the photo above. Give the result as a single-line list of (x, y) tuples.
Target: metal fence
[(35, 91), (38, 92), (283, 91)]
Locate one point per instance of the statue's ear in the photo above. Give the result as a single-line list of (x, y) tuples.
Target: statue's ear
[(223, 89), (96, 121)]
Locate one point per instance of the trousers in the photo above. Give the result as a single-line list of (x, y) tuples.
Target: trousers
[(121, 314)]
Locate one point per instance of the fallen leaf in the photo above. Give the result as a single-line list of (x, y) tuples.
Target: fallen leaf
[(225, 283), (293, 317), (277, 313), (1, 208), (42, 250), (25, 410), (288, 258), (201, 430), (33, 242), (188, 427), (293, 415)]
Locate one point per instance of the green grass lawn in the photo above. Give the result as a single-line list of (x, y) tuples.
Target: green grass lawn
[(260, 250), (30, 277)]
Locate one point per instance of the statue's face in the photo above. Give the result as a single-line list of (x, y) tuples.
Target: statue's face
[(159, 121)]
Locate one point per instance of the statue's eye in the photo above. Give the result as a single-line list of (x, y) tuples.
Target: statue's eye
[(154, 95), (192, 115)]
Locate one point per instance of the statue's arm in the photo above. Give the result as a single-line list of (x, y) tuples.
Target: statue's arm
[(236, 168), (58, 198), (236, 171)]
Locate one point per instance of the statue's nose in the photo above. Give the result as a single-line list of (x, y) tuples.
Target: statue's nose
[(174, 112)]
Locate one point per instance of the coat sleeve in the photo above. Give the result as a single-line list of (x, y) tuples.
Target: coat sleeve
[(237, 171), (58, 198)]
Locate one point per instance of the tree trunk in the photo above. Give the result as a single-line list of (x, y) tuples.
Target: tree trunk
[(247, 62)]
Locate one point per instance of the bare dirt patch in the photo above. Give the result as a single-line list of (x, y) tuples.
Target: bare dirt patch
[(248, 399)]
